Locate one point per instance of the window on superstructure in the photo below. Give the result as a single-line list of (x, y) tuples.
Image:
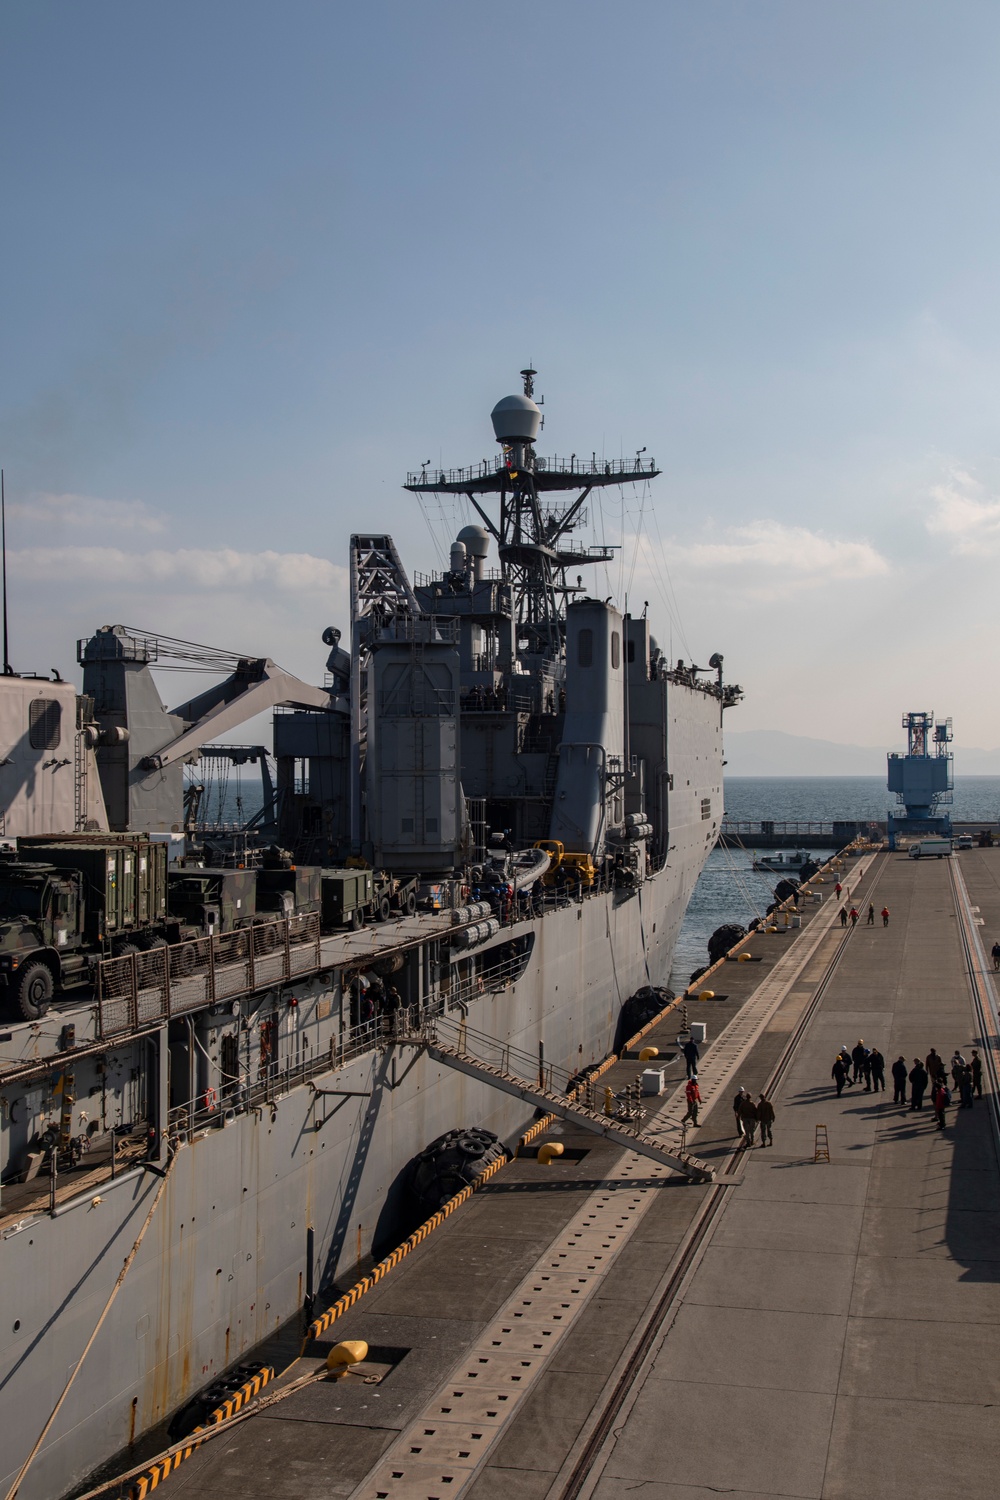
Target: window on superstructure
[(44, 718), (585, 648), (301, 776), (616, 651), (706, 807), (630, 651)]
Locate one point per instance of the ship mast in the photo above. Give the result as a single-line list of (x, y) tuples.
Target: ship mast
[(533, 531)]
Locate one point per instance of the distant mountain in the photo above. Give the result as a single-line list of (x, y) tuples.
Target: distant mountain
[(770, 752)]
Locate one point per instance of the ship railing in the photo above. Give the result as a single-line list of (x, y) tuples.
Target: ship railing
[(487, 468), (496, 1053), (138, 989), (274, 1078)]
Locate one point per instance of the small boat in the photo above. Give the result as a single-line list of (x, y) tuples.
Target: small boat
[(783, 862)]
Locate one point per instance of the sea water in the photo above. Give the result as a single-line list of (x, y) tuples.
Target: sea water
[(729, 890)]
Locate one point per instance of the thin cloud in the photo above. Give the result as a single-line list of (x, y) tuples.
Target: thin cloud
[(57, 511), (185, 569), (965, 516), (801, 556)]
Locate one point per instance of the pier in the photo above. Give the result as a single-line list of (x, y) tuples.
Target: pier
[(599, 1323)]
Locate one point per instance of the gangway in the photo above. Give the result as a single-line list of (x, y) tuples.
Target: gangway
[(453, 1055)]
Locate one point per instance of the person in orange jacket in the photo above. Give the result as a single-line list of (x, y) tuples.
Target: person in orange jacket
[(692, 1094)]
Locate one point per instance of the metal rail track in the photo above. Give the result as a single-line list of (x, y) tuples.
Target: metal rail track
[(582, 1458)]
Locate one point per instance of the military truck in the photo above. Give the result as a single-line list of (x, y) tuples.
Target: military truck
[(352, 897), (64, 903)]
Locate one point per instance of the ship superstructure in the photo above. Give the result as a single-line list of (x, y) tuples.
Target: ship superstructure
[(494, 811)]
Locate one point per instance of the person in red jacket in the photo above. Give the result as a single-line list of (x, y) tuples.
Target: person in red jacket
[(692, 1094)]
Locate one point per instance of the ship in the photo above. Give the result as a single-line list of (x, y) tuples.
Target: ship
[(492, 812)]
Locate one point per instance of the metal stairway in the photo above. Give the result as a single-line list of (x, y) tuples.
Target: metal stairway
[(559, 1104)]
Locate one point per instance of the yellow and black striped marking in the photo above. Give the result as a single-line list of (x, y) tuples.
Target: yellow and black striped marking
[(155, 1475), (319, 1325)]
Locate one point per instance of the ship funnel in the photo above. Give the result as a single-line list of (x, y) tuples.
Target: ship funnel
[(516, 419)]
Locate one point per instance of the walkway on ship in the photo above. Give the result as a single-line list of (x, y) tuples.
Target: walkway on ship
[(812, 1330)]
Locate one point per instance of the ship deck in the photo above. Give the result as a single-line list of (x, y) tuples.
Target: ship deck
[(798, 1328)]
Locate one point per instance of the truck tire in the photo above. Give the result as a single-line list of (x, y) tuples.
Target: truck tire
[(357, 919), (35, 989), (383, 909), (410, 903)]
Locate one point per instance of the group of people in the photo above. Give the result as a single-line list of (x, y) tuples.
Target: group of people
[(867, 1065), (854, 915), (861, 1064), (966, 1076), (750, 1115)]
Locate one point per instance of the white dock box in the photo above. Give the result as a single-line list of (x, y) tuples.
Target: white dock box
[(698, 1030), (652, 1080)]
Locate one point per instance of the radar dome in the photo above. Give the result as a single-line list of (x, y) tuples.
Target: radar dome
[(516, 419), (476, 540)]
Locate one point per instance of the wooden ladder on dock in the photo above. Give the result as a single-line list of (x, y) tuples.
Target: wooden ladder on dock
[(822, 1150)]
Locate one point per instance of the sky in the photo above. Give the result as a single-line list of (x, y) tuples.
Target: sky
[(260, 260)]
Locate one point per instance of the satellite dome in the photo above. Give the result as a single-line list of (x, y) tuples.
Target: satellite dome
[(516, 419)]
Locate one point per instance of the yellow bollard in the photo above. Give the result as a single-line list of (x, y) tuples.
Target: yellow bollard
[(609, 1101), (549, 1151), (342, 1356), (707, 995), (648, 1053), (744, 958)]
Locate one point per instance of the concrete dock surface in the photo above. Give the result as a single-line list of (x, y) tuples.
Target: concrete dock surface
[(828, 1331)]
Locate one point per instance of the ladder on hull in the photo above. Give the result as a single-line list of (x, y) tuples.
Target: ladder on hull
[(565, 1108)]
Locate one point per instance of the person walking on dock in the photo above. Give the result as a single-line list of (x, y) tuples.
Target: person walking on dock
[(995, 954), (977, 1073), (939, 1099), (858, 1059), (918, 1084), (748, 1118), (845, 1058), (899, 1081), (765, 1119), (691, 1056), (957, 1064), (692, 1094), (885, 916), (838, 890), (738, 1098), (854, 916), (871, 914), (965, 1087), (877, 1064), (843, 916), (839, 1074), (935, 1066)]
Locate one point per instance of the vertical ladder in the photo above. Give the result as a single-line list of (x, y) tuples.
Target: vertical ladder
[(822, 1150)]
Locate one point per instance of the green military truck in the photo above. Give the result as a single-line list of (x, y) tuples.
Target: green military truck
[(66, 902), (352, 897)]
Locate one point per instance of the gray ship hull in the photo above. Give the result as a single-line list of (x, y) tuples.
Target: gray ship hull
[(257, 1214)]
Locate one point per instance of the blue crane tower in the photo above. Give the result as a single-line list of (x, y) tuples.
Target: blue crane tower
[(923, 779)]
